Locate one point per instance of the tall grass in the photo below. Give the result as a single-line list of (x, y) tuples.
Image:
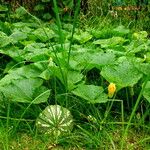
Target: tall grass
[(125, 134)]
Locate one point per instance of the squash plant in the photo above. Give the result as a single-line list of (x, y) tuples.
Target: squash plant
[(38, 70)]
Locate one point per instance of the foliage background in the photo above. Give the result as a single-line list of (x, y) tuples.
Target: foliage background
[(50, 61)]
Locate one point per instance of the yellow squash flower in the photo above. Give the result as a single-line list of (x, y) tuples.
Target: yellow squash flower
[(111, 90)]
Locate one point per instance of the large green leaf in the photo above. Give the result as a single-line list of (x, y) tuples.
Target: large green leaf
[(4, 39), (144, 68), (121, 30), (101, 59), (104, 33), (36, 52), (146, 92), (44, 34), (122, 74), (111, 42), (14, 52), (82, 58), (18, 36), (71, 78), (29, 71), (83, 37), (91, 93), (22, 25), (141, 35), (26, 91), (138, 47), (141, 65)]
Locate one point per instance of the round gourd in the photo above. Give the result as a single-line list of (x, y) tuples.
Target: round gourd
[(54, 119)]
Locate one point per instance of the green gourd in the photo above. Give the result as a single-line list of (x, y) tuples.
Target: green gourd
[(55, 120)]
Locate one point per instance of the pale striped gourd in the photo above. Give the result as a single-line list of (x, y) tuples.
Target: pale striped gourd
[(54, 119)]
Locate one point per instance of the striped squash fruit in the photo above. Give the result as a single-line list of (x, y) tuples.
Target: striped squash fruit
[(55, 120)]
